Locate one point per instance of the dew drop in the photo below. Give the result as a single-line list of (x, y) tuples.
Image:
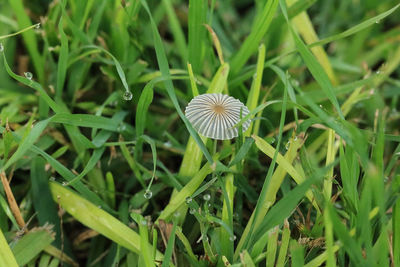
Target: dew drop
[(207, 197), (287, 145), (295, 138), (192, 211), (143, 222), (321, 106), (64, 183), (37, 26), (168, 144), (121, 127), (28, 75), (188, 200), (1, 47), (177, 214), (127, 96), (52, 179), (148, 194), (377, 21), (204, 237), (232, 238)]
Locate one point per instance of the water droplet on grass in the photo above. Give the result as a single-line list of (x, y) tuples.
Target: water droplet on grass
[(143, 222), (207, 197), (37, 26), (204, 237), (52, 178), (148, 194), (232, 238), (192, 211), (28, 75), (64, 183), (188, 200), (177, 214), (287, 145), (1, 47), (168, 144), (121, 127), (127, 96), (377, 21), (295, 82)]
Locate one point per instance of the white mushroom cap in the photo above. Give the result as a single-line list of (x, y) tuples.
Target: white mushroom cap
[(214, 115)]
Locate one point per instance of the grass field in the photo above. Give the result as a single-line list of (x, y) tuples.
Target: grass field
[(100, 166)]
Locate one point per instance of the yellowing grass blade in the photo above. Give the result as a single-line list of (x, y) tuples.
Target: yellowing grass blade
[(6, 256), (97, 219)]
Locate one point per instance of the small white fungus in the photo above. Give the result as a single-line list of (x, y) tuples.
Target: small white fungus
[(214, 115)]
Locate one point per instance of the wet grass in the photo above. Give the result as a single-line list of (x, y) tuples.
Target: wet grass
[(100, 166)]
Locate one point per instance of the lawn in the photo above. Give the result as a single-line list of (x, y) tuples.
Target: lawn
[(199, 133)]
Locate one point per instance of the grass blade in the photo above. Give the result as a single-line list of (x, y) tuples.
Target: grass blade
[(359, 27), (170, 246), (396, 231), (29, 37), (42, 199), (297, 252), (94, 159), (163, 64), (244, 149), (197, 33), (304, 26), (185, 192), (284, 245), (176, 30), (145, 252), (259, 29), (352, 248), (27, 143), (63, 57), (6, 256), (97, 219), (313, 65), (283, 208), (31, 244), (252, 99), (272, 246)]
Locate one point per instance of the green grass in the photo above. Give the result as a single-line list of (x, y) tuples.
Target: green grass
[(100, 166)]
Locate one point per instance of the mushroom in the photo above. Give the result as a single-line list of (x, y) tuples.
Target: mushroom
[(215, 115)]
